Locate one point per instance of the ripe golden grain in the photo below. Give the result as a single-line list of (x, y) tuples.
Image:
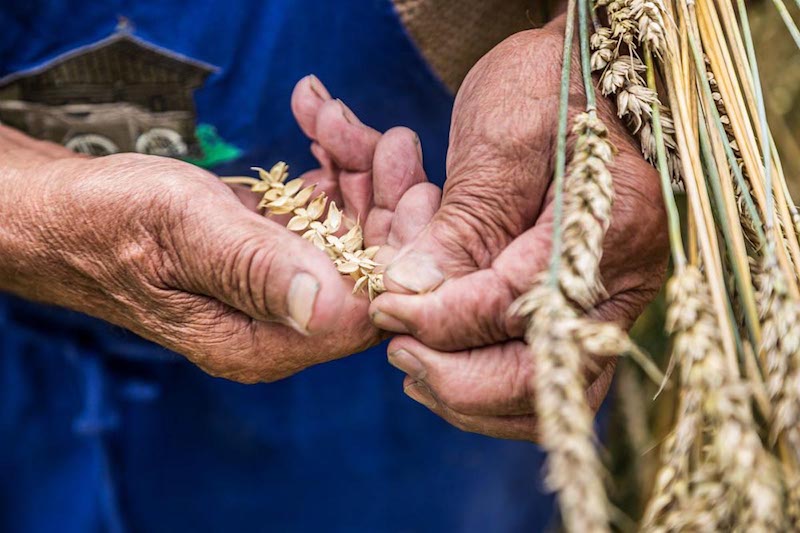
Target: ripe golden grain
[(345, 250), (588, 198)]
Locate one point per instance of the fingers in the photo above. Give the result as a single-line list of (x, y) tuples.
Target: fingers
[(413, 212), (245, 195), (486, 390), (397, 168), (326, 177), (471, 310), (308, 96), (520, 427), (365, 172), (476, 222), (225, 342), (256, 266), (484, 381), (343, 145), (352, 146), (350, 143)]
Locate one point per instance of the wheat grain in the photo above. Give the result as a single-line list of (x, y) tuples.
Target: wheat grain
[(697, 350), (573, 467), (604, 48), (742, 462), (780, 347), (649, 15), (792, 500), (648, 144), (588, 200), (733, 483), (346, 251), (634, 22), (669, 504), (623, 26)]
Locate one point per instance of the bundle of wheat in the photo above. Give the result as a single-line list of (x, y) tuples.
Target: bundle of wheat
[(730, 462)]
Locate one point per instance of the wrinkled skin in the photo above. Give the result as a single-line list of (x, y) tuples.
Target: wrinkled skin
[(168, 251), (451, 287)]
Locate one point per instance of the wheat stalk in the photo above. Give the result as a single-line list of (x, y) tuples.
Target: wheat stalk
[(716, 473), (734, 473), (669, 504), (749, 216), (558, 337)]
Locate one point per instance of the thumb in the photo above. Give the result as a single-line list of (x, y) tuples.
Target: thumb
[(469, 231), (257, 267), (499, 163)]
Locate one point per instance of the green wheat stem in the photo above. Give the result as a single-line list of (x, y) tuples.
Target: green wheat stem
[(733, 163), (762, 113), (744, 289), (673, 216), (561, 146), (586, 69), (737, 172), (787, 19)]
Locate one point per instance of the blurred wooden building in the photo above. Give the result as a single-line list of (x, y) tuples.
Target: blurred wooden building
[(118, 94)]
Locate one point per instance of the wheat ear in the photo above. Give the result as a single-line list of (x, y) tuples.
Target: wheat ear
[(780, 347), (589, 196), (346, 249)]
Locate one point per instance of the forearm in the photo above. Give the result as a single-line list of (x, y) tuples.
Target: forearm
[(26, 163)]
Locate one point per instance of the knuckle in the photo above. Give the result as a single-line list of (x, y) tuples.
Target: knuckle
[(469, 228), (246, 270), (517, 77)]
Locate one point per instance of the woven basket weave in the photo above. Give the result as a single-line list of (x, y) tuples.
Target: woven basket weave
[(453, 34)]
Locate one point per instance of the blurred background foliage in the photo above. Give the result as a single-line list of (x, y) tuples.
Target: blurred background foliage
[(638, 424)]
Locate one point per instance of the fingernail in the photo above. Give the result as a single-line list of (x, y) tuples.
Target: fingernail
[(303, 291), (418, 144), (419, 392), (415, 272), (318, 88), (347, 114), (403, 360), (388, 322)]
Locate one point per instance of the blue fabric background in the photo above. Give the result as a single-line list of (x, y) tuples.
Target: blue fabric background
[(100, 431)]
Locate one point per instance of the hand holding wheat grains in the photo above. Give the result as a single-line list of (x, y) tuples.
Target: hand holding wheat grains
[(166, 250), (452, 287)]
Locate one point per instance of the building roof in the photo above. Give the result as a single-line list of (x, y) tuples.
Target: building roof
[(121, 36)]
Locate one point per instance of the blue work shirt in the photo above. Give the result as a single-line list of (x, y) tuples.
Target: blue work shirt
[(102, 431)]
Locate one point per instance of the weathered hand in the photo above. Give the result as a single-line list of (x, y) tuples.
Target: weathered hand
[(453, 285), (166, 250)]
